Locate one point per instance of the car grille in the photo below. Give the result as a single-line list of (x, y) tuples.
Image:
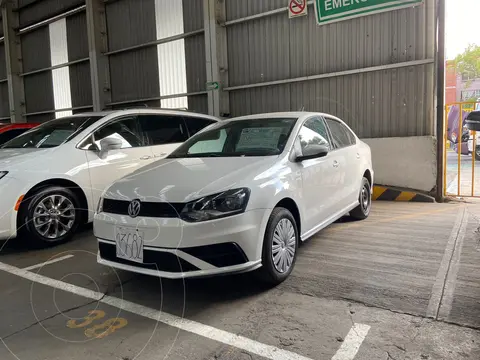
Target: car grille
[(147, 209), (152, 260)]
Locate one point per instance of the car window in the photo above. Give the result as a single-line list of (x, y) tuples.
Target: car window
[(10, 134), (52, 133), (163, 129), (194, 125), (209, 146), (127, 130), (314, 132), (341, 136)]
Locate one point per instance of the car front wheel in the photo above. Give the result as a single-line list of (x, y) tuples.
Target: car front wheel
[(50, 217), (279, 246)]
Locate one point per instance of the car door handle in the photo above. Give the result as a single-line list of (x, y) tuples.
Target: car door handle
[(358, 156), (146, 157), (161, 155), (335, 164)]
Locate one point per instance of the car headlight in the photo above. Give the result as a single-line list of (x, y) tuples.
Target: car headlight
[(227, 203), (3, 174), (100, 205)]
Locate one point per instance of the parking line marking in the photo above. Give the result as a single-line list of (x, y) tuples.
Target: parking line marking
[(447, 272), (33, 267), (352, 342), (225, 337)]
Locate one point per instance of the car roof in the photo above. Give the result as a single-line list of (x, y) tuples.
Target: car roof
[(18, 125), (147, 111), (287, 114)]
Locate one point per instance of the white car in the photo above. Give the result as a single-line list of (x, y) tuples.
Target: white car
[(51, 177), (236, 197)]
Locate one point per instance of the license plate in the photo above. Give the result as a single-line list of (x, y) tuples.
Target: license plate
[(129, 244)]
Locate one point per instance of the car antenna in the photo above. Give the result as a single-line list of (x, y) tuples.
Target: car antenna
[(302, 108)]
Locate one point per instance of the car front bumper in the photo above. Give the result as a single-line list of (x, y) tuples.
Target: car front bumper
[(10, 191), (176, 249)]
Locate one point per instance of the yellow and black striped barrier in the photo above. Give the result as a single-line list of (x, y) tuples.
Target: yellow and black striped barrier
[(384, 193)]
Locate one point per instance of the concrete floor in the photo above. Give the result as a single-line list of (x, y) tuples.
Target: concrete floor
[(411, 273)]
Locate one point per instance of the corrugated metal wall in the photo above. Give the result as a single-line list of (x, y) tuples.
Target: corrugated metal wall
[(4, 105), (395, 102), (193, 20), (34, 11), (80, 84), (38, 86), (384, 103), (134, 74)]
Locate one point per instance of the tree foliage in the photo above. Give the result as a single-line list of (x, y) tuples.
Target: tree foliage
[(468, 63)]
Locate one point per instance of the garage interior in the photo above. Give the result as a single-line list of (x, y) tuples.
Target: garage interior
[(377, 72)]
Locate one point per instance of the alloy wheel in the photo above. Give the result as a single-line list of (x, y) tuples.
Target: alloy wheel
[(54, 216)]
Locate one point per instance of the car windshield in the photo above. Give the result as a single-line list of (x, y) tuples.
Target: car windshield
[(253, 137), (51, 134)]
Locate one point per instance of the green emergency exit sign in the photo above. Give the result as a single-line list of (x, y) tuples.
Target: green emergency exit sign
[(337, 10)]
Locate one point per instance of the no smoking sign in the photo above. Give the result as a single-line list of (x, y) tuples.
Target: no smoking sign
[(297, 8)]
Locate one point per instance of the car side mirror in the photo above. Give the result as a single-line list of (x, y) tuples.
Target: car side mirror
[(312, 151), (109, 144)]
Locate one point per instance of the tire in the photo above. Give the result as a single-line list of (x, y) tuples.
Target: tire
[(272, 272), (42, 225), (362, 211)]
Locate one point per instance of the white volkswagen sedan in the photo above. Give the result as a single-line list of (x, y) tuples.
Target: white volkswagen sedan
[(51, 177), (236, 197)]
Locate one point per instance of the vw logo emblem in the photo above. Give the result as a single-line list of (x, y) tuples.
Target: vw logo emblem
[(134, 208)]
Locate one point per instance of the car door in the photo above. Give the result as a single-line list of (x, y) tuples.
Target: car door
[(318, 175), (164, 133), (115, 164), (347, 162)]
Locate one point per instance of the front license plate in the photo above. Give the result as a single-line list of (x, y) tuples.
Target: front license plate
[(129, 243)]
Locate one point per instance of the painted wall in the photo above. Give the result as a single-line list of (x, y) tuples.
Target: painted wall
[(450, 83), (407, 162)]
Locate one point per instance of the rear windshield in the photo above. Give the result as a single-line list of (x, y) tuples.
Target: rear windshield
[(52, 133)]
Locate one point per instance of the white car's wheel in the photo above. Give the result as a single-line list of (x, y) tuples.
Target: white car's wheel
[(362, 211), (280, 246), (51, 216)]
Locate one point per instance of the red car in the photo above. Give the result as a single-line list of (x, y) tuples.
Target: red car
[(10, 131)]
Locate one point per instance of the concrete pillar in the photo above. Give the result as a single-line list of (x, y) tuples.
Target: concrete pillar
[(13, 59), (98, 45), (216, 57)]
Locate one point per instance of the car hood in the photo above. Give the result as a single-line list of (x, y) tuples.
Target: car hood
[(14, 158), (187, 179)]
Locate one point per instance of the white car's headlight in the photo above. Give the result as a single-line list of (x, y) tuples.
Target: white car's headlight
[(227, 203), (100, 205), (3, 174)]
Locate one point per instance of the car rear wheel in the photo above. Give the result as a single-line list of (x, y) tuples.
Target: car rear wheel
[(280, 246), (362, 211), (50, 217)]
